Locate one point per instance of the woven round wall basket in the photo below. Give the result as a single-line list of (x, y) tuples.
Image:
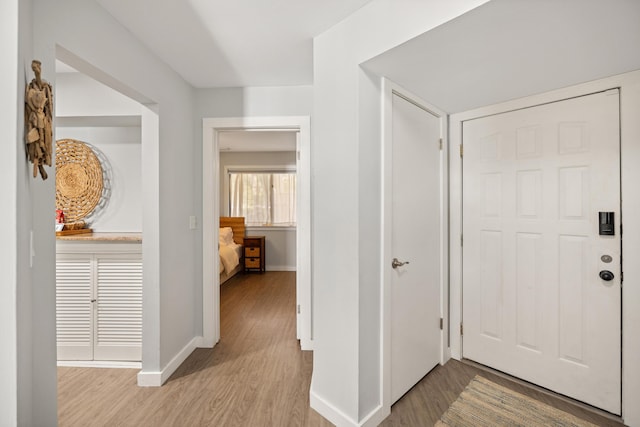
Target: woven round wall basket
[(79, 179)]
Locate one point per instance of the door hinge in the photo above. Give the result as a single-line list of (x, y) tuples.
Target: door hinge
[(461, 329), (461, 150), (298, 308), (461, 241), (441, 323), (440, 143)]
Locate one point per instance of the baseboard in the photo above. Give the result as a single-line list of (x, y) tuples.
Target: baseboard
[(204, 343), (375, 417), (99, 364), (149, 379), (156, 379), (340, 419), (280, 268), (306, 345), (330, 412)]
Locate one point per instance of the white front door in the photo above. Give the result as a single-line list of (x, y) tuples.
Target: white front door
[(534, 302), (415, 240)]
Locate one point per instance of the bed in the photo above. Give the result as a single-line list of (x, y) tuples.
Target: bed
[(232, 230)]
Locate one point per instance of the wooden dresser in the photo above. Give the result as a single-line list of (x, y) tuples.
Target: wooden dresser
[(254, 253)]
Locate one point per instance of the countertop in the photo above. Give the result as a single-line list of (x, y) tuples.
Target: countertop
[(103, 237)]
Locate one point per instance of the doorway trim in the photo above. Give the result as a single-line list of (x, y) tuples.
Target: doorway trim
[(211, 127), (390, 88), (150, 374), (629, 85)]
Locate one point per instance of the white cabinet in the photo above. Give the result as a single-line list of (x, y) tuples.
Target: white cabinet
[(99, 301), (74, 307)]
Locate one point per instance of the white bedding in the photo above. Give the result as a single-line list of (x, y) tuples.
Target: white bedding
[(229, 256)]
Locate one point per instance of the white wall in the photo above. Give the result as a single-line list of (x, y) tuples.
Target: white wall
[(92, 112), (78, 95), (280, 247), (280, 242), (347, 364), (10, 80), (27, 361), (246, 102), (253, 102), (106, 51), (37, 380)]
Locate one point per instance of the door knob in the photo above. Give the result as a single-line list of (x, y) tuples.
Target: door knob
[(395, 263), (606, 275)]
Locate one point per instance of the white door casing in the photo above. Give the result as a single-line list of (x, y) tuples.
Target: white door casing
[(211, 216), (534, 305), (415, 199)]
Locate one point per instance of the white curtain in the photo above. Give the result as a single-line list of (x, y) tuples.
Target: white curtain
[(284, 198), (249, 197), (263, 198)]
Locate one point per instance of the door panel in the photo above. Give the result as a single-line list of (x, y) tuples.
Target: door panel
[(415, 287), (74, 311), (534, 304), (118, 315)]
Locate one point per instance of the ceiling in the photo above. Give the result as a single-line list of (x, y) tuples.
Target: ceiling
[(237, 43), (508, 49), (502, 50)]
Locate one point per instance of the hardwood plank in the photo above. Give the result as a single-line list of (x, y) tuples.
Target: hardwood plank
[(255, 376)]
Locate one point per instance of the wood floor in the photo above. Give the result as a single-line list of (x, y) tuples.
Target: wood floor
[(255, 376), (425, 403)]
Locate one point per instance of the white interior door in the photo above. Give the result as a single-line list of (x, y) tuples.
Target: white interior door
[(534, 304), (415, 239)]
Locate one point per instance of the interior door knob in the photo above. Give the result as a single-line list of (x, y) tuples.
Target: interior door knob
[(395, 263), (606, 275)]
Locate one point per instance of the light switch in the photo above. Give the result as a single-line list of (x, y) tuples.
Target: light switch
[(193, 222), (32, 249)]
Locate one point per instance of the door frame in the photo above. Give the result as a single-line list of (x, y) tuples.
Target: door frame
[(629, 84), (211, 216), (390, 88)]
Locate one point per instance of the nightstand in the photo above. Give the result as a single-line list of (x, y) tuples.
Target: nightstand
[(254, 253)]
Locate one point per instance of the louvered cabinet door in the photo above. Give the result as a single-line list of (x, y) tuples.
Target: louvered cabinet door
[(118, 313), (74, 277)]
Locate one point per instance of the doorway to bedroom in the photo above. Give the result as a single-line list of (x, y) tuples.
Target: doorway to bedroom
[(256, 169), (258, 182)]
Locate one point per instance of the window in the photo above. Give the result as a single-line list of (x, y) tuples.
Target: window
[(263, 198)]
